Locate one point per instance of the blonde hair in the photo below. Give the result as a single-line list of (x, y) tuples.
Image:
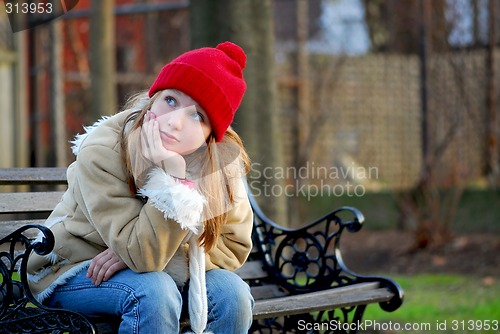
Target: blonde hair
[(221, 164)]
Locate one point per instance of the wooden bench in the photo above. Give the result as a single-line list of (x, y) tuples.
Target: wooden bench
[(297, 276)]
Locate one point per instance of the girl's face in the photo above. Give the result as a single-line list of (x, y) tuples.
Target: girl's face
[(184, 126)]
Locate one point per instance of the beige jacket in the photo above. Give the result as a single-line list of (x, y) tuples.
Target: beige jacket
[(98, 211)]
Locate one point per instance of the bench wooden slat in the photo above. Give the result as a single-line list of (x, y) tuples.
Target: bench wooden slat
[(267, 291), (50, 175), (362, 293), (9, 226), (29, 202), (252, 270)]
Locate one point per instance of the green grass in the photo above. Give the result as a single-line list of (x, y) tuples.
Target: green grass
[(432, 299)]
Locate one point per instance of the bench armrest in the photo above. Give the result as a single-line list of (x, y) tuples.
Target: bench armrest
[(14, 263), (19, 310), (309, 258)]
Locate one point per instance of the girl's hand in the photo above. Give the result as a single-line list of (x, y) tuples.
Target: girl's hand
[(104, 265), (172, 162)]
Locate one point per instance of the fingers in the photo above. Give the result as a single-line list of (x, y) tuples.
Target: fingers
[(151, 139), (154, 139), (154, 151), (146, 135), (96, 263), (98, 266), (155, 136), (115, 267), (103, 266)]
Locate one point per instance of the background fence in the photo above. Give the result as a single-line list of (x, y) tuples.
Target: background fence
[(373, 115), (372, 103)]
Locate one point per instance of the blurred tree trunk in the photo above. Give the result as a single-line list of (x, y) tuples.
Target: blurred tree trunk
[(393, 25), (492, 159), (476, 22), (102, 60), (302, 123), (303, 120), (421, 27), (249, 23), (57, 140)]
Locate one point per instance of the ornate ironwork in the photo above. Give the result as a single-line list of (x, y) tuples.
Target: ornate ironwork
[(20, 312), (309, 259), (300, 260)]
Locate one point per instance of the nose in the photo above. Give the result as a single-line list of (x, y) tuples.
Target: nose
[(176, 119)]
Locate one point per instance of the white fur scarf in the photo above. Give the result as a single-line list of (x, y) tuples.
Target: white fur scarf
[(185, 206)]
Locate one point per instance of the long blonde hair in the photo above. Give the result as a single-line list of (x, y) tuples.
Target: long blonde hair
[(220, 166)]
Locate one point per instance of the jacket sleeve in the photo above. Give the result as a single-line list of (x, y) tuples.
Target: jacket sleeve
[(144, 236), (235, 242)]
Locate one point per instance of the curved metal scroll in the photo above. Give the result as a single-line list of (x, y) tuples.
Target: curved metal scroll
[(20, 312), (309, 259)]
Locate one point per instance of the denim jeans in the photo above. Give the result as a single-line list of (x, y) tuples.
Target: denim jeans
[(151, 303)]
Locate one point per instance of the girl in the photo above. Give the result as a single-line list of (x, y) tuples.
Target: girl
[(156, 207)]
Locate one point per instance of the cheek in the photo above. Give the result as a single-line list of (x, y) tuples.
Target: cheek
[(197, 141), (200, 132), (161, 118), (198, 137), (206, 130), (156, 109)]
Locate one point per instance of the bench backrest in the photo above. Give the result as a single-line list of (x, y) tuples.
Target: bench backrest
[(283, 260), (28, 195)]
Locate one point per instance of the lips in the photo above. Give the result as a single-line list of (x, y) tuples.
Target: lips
[(168, 137)]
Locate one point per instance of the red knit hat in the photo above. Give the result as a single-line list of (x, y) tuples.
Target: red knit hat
[(213, 77)]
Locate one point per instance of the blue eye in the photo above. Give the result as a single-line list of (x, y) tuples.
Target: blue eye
[(171, 101), (198, 116)]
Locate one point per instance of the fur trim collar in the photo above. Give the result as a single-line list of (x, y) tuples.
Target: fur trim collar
[(79, 138), (176, 200)]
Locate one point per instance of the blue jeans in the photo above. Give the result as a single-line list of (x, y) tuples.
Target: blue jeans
[(151, 303)]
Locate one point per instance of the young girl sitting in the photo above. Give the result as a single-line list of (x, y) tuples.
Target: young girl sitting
[(156, 216)]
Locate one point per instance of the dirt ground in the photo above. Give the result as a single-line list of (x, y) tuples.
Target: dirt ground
[(387, 252)]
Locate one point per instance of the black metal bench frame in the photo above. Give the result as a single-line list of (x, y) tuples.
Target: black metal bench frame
[(297, 276)]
